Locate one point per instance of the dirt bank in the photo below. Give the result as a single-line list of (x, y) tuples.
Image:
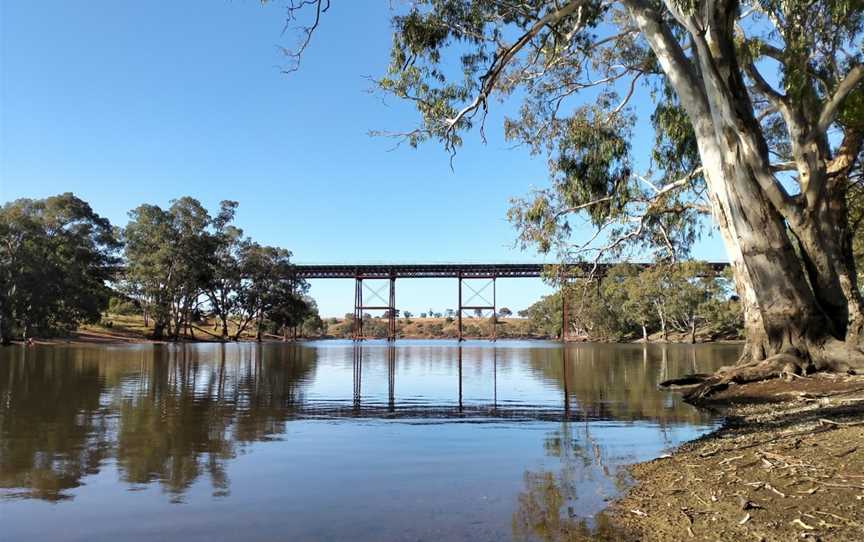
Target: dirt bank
[(788, 465)]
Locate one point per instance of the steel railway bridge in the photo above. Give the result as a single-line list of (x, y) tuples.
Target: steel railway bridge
[(479, 298)]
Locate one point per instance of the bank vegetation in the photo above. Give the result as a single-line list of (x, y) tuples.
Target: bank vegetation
[(63, 265)]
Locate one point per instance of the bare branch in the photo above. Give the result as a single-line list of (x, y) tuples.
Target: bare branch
[(683, 181), (321, 6), (832, 106), (576, 208), (490, 78), (777, 99), (784, 166), (627, 97)]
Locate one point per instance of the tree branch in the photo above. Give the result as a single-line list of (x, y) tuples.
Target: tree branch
[(490, 78), (321, 6), (832, 106)]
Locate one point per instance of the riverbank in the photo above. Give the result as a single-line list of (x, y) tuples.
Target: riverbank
[(788, 464), (130, 329)]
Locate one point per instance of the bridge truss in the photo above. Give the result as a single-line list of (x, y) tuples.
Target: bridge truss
[(466, 274)]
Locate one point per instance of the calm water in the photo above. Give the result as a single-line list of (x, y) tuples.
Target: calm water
[(325, 441)]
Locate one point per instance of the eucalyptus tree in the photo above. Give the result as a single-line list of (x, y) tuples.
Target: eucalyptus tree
[(695, 291), (290, 307), (225, 281), (269, 289), (625, 287), (758, 118), (169, 261), (56, 258)]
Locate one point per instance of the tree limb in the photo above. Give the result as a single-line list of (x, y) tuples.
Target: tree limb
[(832, 106), (490, 78)]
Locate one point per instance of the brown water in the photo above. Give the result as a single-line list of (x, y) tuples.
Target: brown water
[(328, 441)]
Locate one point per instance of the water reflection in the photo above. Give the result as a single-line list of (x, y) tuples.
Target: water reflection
[(553, 504), (164, 414), (171, 417)]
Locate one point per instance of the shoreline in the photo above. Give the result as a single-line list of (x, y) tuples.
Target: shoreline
[(115, 337), (788, 463), (81, 339)]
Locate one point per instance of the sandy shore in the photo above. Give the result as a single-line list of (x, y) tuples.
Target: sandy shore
[(787, 465)]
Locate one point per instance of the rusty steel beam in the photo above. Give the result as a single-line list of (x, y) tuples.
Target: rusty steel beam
[(467, 270)]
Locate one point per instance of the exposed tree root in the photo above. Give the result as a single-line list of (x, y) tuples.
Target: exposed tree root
[(830, 356), (779, 365)]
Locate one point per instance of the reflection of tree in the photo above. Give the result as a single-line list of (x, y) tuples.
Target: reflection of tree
[(179, 428), (52, 429), (549, 507), (168, 415), (620, 382), (271, 389)]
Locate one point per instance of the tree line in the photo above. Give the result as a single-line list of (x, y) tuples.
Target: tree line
[(63, 265), (632, 302)]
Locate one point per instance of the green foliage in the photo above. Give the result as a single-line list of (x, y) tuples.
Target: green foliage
[(631, 300), (545, 315), (170, 255), (624, 286), (451, 58), (123, 306), (56, 257), (180, 258)]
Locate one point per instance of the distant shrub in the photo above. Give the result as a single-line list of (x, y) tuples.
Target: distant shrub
[(123, 306)]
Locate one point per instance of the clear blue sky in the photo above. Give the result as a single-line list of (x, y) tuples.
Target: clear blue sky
[(130, 102)]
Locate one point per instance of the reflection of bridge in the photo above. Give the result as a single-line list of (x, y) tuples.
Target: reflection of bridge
[(478, 300), (484, 411)]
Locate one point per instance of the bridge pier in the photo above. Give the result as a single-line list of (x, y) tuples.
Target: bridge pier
[(565, 313), (359, 307), (478, 294)]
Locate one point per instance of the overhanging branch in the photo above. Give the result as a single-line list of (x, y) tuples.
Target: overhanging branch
[(832, 106)]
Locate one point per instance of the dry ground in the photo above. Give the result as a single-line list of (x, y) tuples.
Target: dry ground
[(788, 465)]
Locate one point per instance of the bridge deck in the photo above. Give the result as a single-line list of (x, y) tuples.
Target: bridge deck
[(467, 270)]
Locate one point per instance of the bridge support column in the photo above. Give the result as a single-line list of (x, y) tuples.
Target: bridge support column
[(358, 309), (358, 333), (565, 312), (478, 294), (494, 313)]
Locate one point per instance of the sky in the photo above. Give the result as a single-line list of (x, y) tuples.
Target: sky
[(126, 103)]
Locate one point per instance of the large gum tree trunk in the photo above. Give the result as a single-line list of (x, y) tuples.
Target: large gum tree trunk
[(793, 331), (158, 330), (792, 249), (5, 338), (752, 316)]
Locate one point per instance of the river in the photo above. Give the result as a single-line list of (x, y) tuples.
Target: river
[(427, 440)]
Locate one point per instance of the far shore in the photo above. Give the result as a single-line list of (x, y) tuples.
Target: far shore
[(130, 329), (82, 338)]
